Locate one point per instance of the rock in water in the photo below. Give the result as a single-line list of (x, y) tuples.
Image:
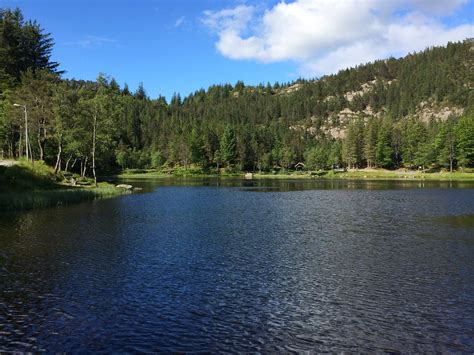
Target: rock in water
[(125, 186)]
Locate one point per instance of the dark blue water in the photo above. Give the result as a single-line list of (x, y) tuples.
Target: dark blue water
[(244, 266)]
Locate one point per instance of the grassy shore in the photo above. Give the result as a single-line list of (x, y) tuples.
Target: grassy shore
[(379, 174), (178, 172), (362, 174), (26, 186)]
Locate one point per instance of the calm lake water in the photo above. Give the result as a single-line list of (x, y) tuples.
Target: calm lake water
[(244, 266)]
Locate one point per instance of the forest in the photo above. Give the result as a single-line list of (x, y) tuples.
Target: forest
[(415, 112)]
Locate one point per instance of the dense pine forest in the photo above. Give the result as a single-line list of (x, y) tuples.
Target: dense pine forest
[(414, 112)]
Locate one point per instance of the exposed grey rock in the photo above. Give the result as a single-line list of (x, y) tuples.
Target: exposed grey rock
[(125, 186)]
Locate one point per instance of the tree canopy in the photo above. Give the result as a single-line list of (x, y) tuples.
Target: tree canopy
[(414, 111)]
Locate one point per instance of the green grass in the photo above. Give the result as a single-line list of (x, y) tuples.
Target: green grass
[(28, 186), (28, 176), (400, 175), (373, 174), (176, 172), (467, 175), (12, 201)]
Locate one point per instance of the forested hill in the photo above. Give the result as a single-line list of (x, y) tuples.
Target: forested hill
[(411, 112)]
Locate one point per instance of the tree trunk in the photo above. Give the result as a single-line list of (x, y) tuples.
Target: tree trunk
[(57, 167), (67, 163), (41, 150), (83, 167), (40, 144), (451, 153), (11, 149), (94, 136)]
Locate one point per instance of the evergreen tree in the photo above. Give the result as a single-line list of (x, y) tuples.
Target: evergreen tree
[(465, 141), (23, 46), (370, 142), (196, 148), (79, 125), (352, 146), (445, 145), (413, 136), (228, 150), (383, 149), (335, 154)]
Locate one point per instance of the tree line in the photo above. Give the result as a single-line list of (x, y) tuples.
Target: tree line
[(83, 126)]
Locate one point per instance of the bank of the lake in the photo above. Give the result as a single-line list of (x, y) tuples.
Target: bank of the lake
[(25, 185), (26, 200), (361, 174)]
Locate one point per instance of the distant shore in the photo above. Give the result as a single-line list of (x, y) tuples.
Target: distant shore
[(25, 186), (355, 174)]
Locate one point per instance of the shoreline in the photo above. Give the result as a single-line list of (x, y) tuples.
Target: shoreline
[(15, 201), (362, 175), (26, 186), (37, 196)]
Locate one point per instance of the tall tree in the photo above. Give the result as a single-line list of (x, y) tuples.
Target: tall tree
[(465, 141), (228, 149), (445, 144), (370, 141), (23, 46), (383, 148), (36, 93), (353, 144)]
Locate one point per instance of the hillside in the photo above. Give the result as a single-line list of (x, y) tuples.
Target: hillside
[(412, 112)]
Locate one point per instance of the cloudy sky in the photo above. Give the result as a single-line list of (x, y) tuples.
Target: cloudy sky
[(183, 45)]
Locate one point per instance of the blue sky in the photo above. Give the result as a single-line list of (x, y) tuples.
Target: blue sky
[(181, 46)]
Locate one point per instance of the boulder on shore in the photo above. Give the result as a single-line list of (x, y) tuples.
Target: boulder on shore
[(125, 187), (248, 176)]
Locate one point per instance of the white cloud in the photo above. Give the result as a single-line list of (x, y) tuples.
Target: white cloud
[(235, 19), (91, 42), (323, 36), (180, 21)]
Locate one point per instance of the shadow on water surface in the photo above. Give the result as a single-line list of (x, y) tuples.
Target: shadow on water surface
[(464, 221), (285, 185)]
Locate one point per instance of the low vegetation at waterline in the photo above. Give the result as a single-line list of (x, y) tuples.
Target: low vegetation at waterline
[(466, 175), (25, 185), (48, 198)]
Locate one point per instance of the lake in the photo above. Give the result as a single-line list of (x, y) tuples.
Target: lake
[(244, 266)]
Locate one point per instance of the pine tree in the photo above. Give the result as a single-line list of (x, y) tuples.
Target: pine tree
[(23, 46), (383, 149), (445, 144), (465, 141), (353, 144), (196, 148), (228, 149), (370, 141)]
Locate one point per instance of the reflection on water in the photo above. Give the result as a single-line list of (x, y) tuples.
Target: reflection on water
[(297, 184), (217, 265), (466, 221)]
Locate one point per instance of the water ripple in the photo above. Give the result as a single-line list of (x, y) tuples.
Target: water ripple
[(208, 269)]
